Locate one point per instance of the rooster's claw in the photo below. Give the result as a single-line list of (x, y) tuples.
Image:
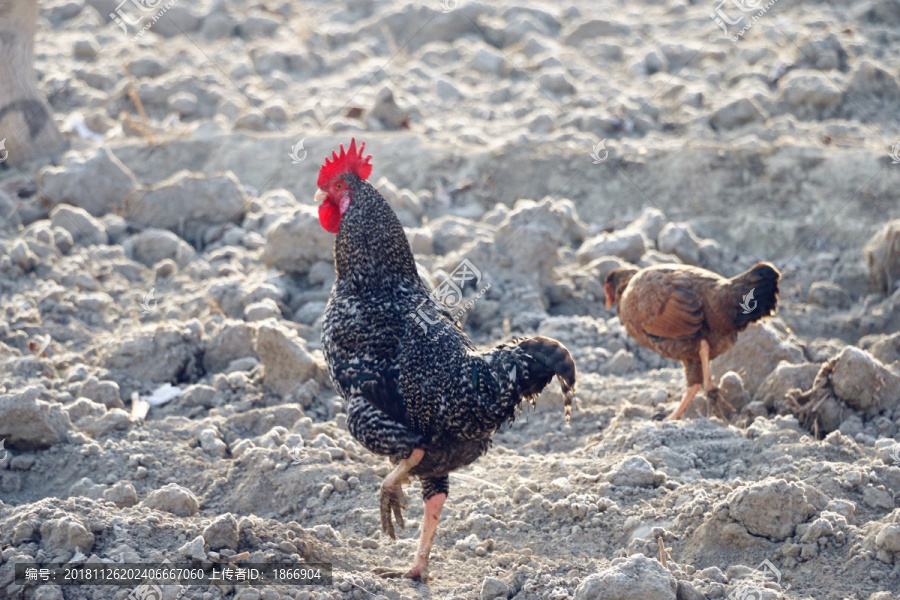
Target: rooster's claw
[(416, 573), (393, 500)]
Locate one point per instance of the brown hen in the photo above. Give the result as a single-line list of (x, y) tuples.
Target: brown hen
[(690, 314)]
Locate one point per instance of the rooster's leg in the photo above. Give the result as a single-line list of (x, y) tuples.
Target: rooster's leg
[(434, 491), (433, 508), (685, 402), (393, 500)]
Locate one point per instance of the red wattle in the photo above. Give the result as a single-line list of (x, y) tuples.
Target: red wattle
[(329, 216)]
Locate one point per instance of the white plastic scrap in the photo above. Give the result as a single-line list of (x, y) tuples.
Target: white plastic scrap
[(164, 393)]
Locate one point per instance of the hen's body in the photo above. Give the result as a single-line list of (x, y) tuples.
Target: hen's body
[(690, 314), (411, 383)]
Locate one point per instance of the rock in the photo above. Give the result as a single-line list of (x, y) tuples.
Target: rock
[(222, 533), (284, 355), (887, 349), (177, 20), (22, 256), (863, 382), (67, 533), (556, 81), (257, 26), (180, 347), (84, 228), (295, 242), (386, 114), (785, 377), (446, 90), (882, 254), (594, 28), (122, 493), (10, 218), (210, 442), (488, 61), (735, 114), (29, 423), (83, 407), (87, 488), (266, 308), (194, 549), (450, 232), (248, 594), (870, 80), (635, 471), (650, 223), (112, 419), (809, 96), (48, 592), (98, 185), (234, 340), (634, 578), (620, 363), (629, 244), (153, 245), (188, 203), (822, 52), (105, 392), (828, 295), (542, 123), (679, 239), (492, 588), (758, 351), (147, 67), (184, 103), (603, 266), (199, 395), (218, 26), (771, 508), (174, 499), (879, 499), (686, 591), (731, 390), (888, 539), (531, 236)]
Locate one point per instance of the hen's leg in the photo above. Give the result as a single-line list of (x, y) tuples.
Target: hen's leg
[(689, 394), (720, 406), (694, 372), (704, 364)]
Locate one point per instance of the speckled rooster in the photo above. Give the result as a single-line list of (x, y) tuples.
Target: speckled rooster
[(422, 395)]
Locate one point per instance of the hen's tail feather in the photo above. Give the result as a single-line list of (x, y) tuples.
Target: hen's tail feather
[(757, 290), (547, 358)]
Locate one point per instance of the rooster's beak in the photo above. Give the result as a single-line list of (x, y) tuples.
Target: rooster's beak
[(609, 302), (320, 195)]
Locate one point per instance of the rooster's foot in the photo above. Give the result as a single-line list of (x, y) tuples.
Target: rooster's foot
[(393, 500), (417, 573)]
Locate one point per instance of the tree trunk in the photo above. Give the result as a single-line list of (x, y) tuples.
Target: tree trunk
[(26, 123)]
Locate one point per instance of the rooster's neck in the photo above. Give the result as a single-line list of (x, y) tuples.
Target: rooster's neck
[(371, 248)]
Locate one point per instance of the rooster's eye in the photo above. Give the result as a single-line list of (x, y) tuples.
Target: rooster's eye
[(339, 186)]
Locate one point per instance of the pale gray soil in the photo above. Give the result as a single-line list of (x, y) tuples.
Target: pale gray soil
[(776, 148)]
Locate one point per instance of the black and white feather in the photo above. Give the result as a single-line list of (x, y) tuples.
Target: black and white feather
[(410, 387)]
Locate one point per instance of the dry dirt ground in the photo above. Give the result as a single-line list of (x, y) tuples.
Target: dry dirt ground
[(174, 257)]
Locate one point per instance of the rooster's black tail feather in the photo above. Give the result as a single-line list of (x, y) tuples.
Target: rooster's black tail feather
[(547, 358)]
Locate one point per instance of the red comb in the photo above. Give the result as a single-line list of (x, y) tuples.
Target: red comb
[(350, 161)]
